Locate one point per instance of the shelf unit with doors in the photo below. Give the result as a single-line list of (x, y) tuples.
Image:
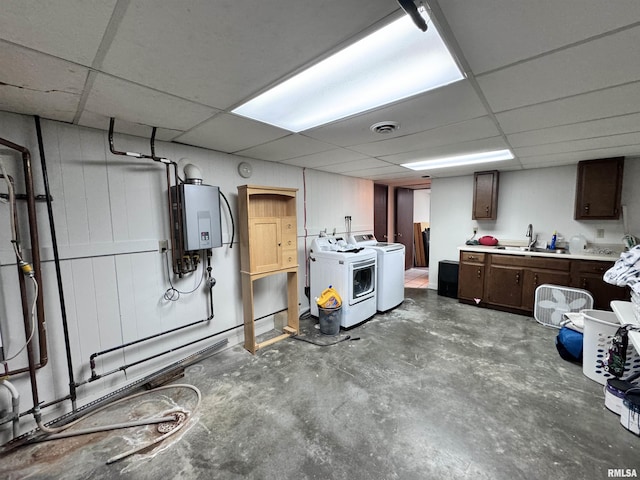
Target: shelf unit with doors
[(268, 246), (599, 189), (485, 195)]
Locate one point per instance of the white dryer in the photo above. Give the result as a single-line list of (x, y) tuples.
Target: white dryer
[(390, 270), (351, 270)]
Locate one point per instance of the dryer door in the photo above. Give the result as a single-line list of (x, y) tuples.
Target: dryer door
[(363, 280)]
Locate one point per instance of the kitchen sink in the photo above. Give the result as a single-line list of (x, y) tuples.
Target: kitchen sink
[(533, 249)]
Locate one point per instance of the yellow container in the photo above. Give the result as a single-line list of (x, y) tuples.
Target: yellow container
[(329, 298)]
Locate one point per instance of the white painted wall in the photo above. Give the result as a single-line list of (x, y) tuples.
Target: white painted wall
[(421, 205), (110, 212), (543, 197)]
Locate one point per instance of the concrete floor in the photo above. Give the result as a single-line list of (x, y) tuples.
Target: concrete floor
[(432, 390)]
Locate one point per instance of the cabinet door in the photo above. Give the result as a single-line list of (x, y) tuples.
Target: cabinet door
[(471, 281), (265, 239), (602, 292), (485, 195), (534, 278), (599, 189), (504, 286)]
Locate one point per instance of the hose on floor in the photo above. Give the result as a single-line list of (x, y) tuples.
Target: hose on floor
[(344, 339), (175, 415)]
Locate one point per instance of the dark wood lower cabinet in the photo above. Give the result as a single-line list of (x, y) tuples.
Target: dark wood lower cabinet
[(509, 282), (504, 286), (534, 278)]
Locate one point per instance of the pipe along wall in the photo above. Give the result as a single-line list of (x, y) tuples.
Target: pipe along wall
[(184, 262)]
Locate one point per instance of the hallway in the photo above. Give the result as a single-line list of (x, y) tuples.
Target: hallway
[(417, 277)]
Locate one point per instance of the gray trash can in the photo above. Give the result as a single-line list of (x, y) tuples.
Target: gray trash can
[(330, 320)]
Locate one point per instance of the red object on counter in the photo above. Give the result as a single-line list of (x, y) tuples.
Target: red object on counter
[(488, 241)]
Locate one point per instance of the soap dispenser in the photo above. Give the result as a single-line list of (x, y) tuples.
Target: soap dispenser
[(554, 237)]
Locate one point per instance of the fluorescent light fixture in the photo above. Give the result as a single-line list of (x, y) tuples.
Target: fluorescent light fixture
[(395, 62), (459, 160)]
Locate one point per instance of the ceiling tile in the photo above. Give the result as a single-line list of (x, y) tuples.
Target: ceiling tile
[(328, 157), (604, 62), (354, 165), (230, 133), (446, 105), (569, 158), (621, 140), (70, 29), (494, 33), (39, 84), (580, 108), (113, 97), (293, 146), (218, 53), (475, 129), (95, 120), (591, 129)]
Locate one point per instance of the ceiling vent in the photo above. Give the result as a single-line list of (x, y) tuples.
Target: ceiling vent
[(384, 128)]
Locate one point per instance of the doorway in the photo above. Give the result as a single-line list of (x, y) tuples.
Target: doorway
[(380, 212), (404, 223)]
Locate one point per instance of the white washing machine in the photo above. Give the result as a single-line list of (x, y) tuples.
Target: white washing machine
[(390, 270), (351, 270)]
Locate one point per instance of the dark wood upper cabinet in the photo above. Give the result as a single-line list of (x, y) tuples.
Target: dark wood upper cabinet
[(485, 195), (599, 189)]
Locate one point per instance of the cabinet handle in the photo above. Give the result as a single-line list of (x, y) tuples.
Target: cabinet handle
[(471, 257), (399, 234), (289, 243), (279, 244), (584, 283), (487, 209), (517, 279), (586, 208), (479, 273), (535, 279)]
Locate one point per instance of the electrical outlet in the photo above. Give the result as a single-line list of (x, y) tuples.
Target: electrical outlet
[(163, 246), (600, 233), (475, 230)]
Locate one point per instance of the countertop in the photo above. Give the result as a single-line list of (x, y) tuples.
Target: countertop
[(517, 251)]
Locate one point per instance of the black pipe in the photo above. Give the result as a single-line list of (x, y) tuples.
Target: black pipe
[(211, 283), (177, 249), (93, 356), (56, 259), (123, 368)]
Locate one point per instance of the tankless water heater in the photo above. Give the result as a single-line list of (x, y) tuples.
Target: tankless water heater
[(200, 215)]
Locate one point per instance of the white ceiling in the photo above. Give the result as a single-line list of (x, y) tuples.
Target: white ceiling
[(555, 81)]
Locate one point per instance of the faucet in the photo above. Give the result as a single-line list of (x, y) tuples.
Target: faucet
[(532, 239)]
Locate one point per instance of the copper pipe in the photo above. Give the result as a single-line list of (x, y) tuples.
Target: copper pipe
[(35, 258)]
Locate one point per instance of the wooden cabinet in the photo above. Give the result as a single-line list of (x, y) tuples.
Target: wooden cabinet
[(587, 274), (471, 276), (268, 245), (509, 282), (599, 189), (535, 277), (512, 279), (504, 285), (485, 195)]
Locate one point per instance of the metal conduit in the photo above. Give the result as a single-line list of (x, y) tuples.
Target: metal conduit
[(56, 258)]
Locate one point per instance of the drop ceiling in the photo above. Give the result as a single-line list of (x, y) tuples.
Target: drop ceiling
[(555, 81)]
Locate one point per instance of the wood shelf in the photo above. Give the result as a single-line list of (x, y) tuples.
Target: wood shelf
[(268, 246)]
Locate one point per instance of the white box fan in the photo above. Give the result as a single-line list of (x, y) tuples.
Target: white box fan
[(553, 301)]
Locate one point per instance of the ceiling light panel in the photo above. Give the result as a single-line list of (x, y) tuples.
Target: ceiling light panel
[(395, 62), (459, 160)]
